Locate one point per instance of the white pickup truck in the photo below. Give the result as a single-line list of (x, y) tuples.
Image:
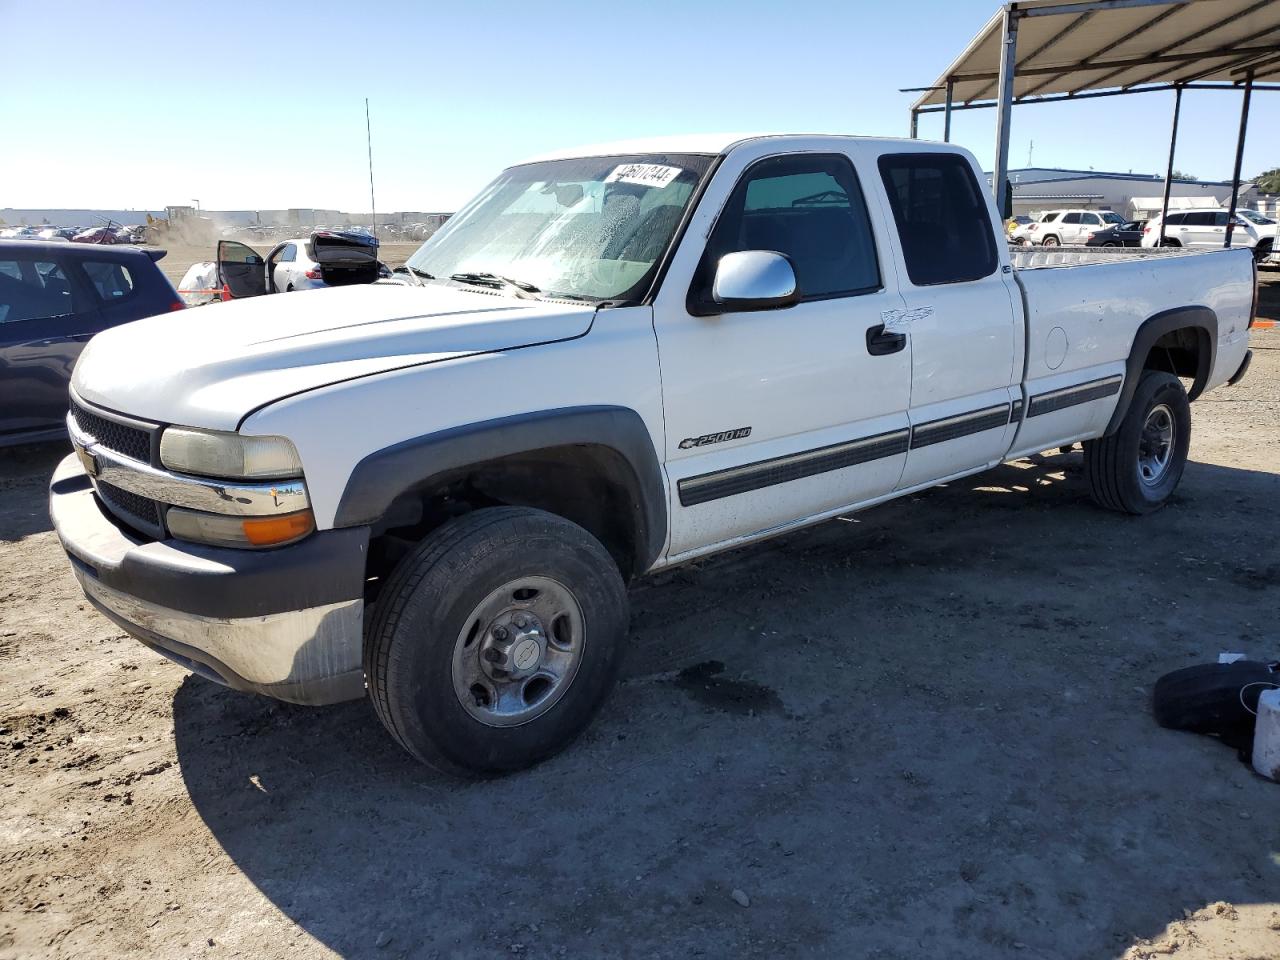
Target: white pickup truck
[(613, 360)]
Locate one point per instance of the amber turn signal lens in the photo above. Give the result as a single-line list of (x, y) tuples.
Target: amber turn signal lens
[(265, 531)]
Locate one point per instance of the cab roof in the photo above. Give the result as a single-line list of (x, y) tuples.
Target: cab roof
[(711, 144)]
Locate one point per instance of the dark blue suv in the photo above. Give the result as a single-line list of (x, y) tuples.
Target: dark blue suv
[(53, 298)]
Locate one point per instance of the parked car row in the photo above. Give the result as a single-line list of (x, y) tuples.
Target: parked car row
[(105, 234), (1182, 228)]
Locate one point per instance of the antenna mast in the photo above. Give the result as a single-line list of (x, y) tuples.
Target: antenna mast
[(368, 136)]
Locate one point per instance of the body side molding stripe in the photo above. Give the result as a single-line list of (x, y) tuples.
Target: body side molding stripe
[(794, 466), (952, 428), (1071, 396), (807, 463)]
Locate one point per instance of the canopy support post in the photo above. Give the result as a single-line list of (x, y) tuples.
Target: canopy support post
[(1168, 172), (1004, 109), (915, 124), (1235, 176), (946, 114)]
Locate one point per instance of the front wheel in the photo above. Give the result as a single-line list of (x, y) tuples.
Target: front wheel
[(496, 640), (1137, 468)]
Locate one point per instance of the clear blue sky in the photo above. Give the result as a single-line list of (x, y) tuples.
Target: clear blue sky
[(136, 104)]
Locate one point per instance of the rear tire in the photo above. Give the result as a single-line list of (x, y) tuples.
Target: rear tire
[(1049, 242), (448, 656), (1138, 467)]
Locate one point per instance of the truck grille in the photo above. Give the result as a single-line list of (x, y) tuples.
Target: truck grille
[(132, 442), (129, 506)]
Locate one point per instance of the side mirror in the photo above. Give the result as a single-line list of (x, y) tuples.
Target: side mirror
[(754, 280)]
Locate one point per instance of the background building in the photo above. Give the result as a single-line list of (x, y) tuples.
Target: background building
[(1132, 195)]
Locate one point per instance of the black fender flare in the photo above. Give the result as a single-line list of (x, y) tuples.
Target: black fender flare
[(384, 475), (1201, 319)]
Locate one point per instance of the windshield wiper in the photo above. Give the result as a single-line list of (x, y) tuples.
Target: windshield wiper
[(414, 274), (483, 279)]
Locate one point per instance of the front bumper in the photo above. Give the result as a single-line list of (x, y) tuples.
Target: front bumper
[(287, 623)]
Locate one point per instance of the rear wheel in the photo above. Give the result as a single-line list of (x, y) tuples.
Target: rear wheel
[(495, 642), (1049, 242), (1137, 468), (1111, 243)]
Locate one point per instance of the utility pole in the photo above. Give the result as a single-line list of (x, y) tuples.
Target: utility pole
[(368, 136)]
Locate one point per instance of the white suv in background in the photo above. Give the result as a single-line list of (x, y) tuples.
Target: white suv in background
[(1208, 229), (1058, 227)]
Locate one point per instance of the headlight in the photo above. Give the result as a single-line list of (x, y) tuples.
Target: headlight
[(213, 453), (226, 531)]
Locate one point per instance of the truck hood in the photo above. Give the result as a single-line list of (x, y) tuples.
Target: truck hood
[(211, 366)]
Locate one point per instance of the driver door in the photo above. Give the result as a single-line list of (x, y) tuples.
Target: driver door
[(775, 416), (241, 269)]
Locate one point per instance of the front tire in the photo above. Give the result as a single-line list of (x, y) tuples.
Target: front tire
[(496, 640), (1138, 467)]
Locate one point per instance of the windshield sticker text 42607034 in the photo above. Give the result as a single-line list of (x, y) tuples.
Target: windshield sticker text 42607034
[(645, 174)]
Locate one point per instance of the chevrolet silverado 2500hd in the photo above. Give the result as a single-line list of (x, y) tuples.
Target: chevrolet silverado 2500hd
[(611, 361)]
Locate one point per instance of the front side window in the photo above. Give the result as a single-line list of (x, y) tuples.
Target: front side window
[(112, 281), (942, 217), (1090, 219), (1110, 216), (33, 290), (593, 228), (808, 207)]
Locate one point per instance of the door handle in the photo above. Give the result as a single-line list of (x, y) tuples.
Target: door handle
[(880, 342)]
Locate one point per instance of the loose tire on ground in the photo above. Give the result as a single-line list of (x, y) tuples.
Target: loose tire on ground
[(1121, 469), (1212, 697), (429, 620)]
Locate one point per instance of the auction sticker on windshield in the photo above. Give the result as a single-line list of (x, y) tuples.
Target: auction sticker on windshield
[(645, 174)]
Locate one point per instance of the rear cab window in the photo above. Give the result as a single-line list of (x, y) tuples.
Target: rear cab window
[(942, 218)]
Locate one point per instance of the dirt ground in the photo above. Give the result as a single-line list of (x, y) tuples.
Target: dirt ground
[(920, 732)]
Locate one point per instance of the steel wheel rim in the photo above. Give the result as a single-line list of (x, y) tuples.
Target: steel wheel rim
[(1155, 446), (518, 651)]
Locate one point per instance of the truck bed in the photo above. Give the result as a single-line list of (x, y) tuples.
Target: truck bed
[(1038, 258), (1080, 322)]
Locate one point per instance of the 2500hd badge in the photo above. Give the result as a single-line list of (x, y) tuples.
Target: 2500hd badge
[(688, 443)]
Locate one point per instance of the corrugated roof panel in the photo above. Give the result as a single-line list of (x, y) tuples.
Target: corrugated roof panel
[(1158, 42)]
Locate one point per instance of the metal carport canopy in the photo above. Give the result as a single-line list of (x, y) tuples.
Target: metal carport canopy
[(1073, 47), (1036, 51)]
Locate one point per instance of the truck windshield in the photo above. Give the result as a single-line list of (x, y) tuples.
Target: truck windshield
[(593, 228)]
